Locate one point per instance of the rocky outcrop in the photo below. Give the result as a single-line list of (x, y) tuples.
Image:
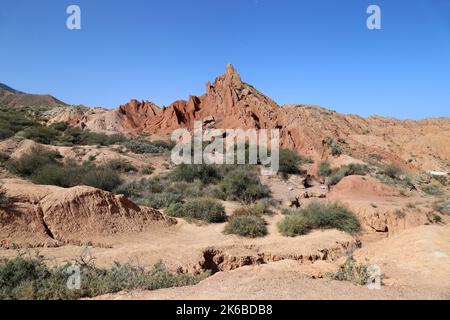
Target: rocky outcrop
[(49, 215), (232, 103)]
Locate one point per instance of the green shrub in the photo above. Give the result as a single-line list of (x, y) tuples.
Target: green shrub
[(71, 174), (41, 134), (324, 169), (263, 206), (335, 147), (331, 216), (205, 209), (432, 190), (290, 162), (441, 179), (5, 201), (28, 278), (13, 120), (352, 169), (246, 226), (319, 216), (293, 225), (142, 146), (205, 173), (351, 271), (4, 157), (442, 206), (32, 161), (101, 177), (121, 166), (392, 171), (243, 185)]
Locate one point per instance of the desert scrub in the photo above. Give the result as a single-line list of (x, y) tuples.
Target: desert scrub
[(392, 171), (122, 166), (207, 174), (42, 166), (324, 169), (5, 201), (351, 271), (13, 120), (432, 190), (442, 206), (243, 185), (335, 147), (27, 277), (293, 225), (290, 162), (203, 209), (140, 146), (319, 216), (352, 169), (32, 161), (249, 226)]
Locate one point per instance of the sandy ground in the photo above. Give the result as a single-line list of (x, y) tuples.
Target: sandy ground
[(278, 281)]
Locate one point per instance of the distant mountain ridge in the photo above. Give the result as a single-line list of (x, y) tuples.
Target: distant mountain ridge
[(229, 102), (10, 97)]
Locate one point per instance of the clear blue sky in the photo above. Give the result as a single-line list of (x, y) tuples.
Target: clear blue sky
[(317, 52)]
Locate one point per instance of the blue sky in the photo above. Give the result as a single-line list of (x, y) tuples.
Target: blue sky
[(316, 52)]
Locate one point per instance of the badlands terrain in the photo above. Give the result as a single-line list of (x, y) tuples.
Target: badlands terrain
[(78, 180)]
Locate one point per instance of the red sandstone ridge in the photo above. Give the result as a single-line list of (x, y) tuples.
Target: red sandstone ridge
[(231, 103)]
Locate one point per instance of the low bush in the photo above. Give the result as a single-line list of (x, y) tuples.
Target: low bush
[(293, 225), (243, 185), (28, 278), (13, 120), (142, 146), (443, 180), (392, 171), (442, 206), (41, 134), (290, 162), (324, 169), (353, 169), (122, 166), (205, 173), (335, 147), (246, 226), (432, 190), (5, 201), (319, 216), (351, 271), (32, 161), (204, 209)]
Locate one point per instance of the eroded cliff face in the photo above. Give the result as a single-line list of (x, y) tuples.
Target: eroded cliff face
[(231, 103)]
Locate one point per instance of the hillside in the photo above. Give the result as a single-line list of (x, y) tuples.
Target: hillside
[(229, 102)]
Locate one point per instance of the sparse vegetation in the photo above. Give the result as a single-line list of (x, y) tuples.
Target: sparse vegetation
[(242, 185), (250, 226), (346, 170), (442, 206), (5, 201), (42, 167), (204, 209), (319, 216), (140, 146), (294, 225), (335, 147), (205, 173), (290, 162), (352, 271), (443, 180), (324, 170), (28, 278), (122, 166), (393, 171), (432, 190)]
